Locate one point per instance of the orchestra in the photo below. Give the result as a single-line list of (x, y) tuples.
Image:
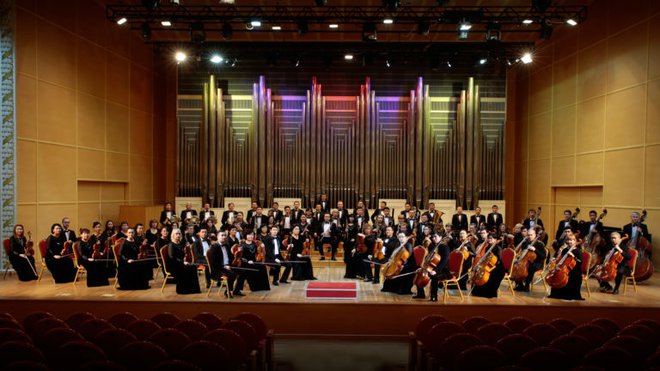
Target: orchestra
[(284, 243)]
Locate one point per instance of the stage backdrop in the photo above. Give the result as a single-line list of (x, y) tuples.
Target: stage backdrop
[(368, 146)]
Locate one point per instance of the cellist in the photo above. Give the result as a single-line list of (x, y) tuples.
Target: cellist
[(622, 269), (403, 285), (441, 271), (489, 289), (539, 249), (572, 289), (390, 243)]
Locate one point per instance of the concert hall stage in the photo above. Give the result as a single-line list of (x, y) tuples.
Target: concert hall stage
[(372, 315)]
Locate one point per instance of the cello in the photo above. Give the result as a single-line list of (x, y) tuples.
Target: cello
[(594, 241), (481, 272), (395, 264), (261, 252), (606, 271), (520, 269), (644, 265), (431, 260), (557, 277)]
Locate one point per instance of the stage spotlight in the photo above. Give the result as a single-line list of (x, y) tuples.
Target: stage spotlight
[(571, 22), (216, 58), (166, 23), (227, 31), (526, 58), (146, 31), (369, 32), (546, 31), (151, 4), (391, 5), (297, 63), (423, 28), (464, 29), (303, 27), (483, 61), (255, 23), (527, 21), (276, 28), (122, 20), (348, 57), (448, 64), (493, 32), (388, 21), (197, 34), (180, 57), (333, 25)]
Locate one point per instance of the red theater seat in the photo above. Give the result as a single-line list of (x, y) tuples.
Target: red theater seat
[(205, 355), (210, 320), (473, 324), (518, 324), (77, 319), (122, 320), (245, 331), (574, 346), (449, 349), (166, 319), (232, 342), (515, 345), (140, 355), (542, 333), (194, 329), (593, 333), (544, 358), (91, 328), (12, 351), (13, 334), (74, 354), (480, 357), (143, 328), (492, 332), (171, 340), (608, 358), (112, 340), (563, 325)]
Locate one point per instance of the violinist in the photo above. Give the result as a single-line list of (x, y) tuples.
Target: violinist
[(402, 285), (305, 226), (274, 247), (623, 269), (258, 280), (132, 273), (184, 272), (21, 259), (220, 261), (123, 230), (302, 269), (534, 245), (201, 245), (96, 236), (390, 243), (468, 252), (69, 235), (59, 264), (441, 271), (96, 272), (327, 233), (636, 227), (572, 289), (489, 289)]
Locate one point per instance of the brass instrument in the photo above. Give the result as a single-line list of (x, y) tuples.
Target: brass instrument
[(173, 220), (192, 220), (437, 219)]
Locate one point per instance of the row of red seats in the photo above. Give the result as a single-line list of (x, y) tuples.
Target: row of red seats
[(519, 343), (125, 342)]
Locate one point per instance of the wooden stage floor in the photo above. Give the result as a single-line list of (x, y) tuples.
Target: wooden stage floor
[(287, 310)]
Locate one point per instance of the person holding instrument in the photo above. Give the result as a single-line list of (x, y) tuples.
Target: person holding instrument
[(531, 245), (59, 261), (571, 291), (274, 247), (96, 272), (622, 268), (383, 249), (258, 280), (132, 274), (20, 256), (441, 271), (220, 261), (299, 256), (490, 287), (180, 264), (402, 285), (199, 248)]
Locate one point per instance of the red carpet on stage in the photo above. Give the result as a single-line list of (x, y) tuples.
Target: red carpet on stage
[(331, 290)]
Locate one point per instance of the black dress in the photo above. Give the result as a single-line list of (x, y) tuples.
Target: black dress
[(572, 289), (258, 280), (404, 284), (489, 289), (22, 266), (301, 271), (96, 271), (352, 260), (134, 275), (184, 274), (62, 269)]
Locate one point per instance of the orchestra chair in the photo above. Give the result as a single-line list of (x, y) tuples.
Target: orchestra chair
[(456, 260), (80, 269), (200, 268), (631, 263), (326, 247), (163, 254), (223, 279), (585, 267), (116, 247), (42, 251), (159, 261), (540, 272), (508, 257), (5, 244)]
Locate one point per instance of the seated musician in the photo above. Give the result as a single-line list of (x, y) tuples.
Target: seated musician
[(199, 248), (274, 247), (362, 259), (489, 289), (572, 289), (389, 244), (258, 280), (379, 226), (96, 269), (301, 262), (20, 258), (327, 233), (123, 230), (163, 240), (188, 212), (132, 274), (532, 244), (424, 242), (220, 261), (402, 285), (152, 233), (59, 262), (623, 269), (467, 263), (96, 232), (183, 270), (441, 271), (424, 229)]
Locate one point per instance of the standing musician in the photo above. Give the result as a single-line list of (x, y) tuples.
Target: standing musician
[(274, 247), (441, 271), (639, 228), (342, 214), (188, 212), (68, 234), (296, 212), (411, 222), (567, 223), (352, 230), (302, 263), (361, 218), (258, 280), (489, 289), (200, 246), (593, 225), (477, 218), (275, 212), (431, 213), (327, 233), (58, 261), (183, 270), (424, 229), (532, 220), (623, 269), (220, 259), (228, 215), (325, 205), (403, 285), (166, 215), (20, 256), (258, 220), (250, 213), (539, 249), (96, 271), (494, 219), (379, 211), (406, 210), (365, 211), (318, 214), (132, 273), (459, 220), (572, 289), (287, 221), (206, 213), (390, 243)]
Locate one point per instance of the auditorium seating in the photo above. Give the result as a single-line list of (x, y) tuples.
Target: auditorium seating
[(123, 341), (523, 344)]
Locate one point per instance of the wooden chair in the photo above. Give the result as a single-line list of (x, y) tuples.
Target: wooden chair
[(586, 270), (223, 279), (456, 260), (80, 269), (116, 249), (540, 272), (5, 244), (42, 251), (631, 263), (159, 261), (163, 254), (508, 257)]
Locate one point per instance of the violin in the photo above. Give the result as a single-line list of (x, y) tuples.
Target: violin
[(67, 251), (261, 252), (644, 265), (520, 269), (96, 253), (29, 245), (606, 271), (360, 247), (144, 250), (481, 271), (308, 246), (557, 277)]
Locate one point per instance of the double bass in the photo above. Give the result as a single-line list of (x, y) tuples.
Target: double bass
[(481, 271), (593, 241), (644, 265), (557, 277), (520, 268)]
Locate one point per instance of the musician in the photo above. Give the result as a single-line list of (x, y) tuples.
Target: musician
[(353, 268), (387, 218), (96, 236), (68, 234), (296, 212), (250, 213), (60, 266), (228, 215), (431, 212), (302, 263), (325, 205), (519, 233), (424, 229), (206, 213), (258, 280), (276, 213), (459, 220), (287, 221), (403, 285), (531, 244), (402, 226), (306, 227), (379, 211), (411, 222), (477, 218), (209, 225), (365, 211), (424, 242), (389, 245), (450, 231), (532, 220), (572, 289), (342, 214), (441, 271), (567, 223), (123, 230), (232, 238), (641, 228), (139, 233), (379, 225), (593, 225), (318, 214), (220, 258), (327, 233), (21, 260), (258, 220), (494, 219), (132, 273), (188, 212), (96, 271), (200, 246), (184, 272), (406, 210), (274, 247), (166, 214), (489, 289), (189, 237), (263, 234), (153, 232), (467, 250), (163, 241), (623, 269), (240, 225)]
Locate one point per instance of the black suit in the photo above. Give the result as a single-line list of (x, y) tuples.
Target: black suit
[(332, 239), (366, 213), (203, 212), (325, 205), (441, 270), (474, 219), (296, 214), (253, 224), (277, 215), (225, 216), (493, 221), (586, 228), (163, 216), (200, 258), (459, 222), (527, 221), (249, 214), (627, 229), (272, 244), (185, 212), (375, 214), (343, 216), (537, 264), (69, 235), (572, 224), (219, 263)]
